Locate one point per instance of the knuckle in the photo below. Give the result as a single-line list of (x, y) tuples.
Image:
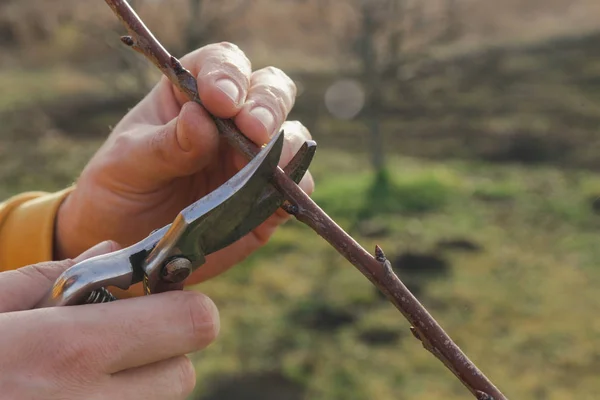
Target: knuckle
[(274, 96), (120, 144), (230, 66), (225, 51), (218, 48), (283, 77), (123, 139), (211, 57), (228, 46), (235, 53), (278, 72), (185, 377), (216, 68)]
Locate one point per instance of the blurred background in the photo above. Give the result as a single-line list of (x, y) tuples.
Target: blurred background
[(460, 135)]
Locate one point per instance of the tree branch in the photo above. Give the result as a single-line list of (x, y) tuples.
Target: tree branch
[(377, 269)]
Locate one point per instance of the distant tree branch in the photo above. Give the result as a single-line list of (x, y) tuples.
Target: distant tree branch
[(204, 26), (376, 268)]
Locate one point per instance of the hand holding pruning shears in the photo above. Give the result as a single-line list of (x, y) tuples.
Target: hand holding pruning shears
[(129, 349), (166, 154)]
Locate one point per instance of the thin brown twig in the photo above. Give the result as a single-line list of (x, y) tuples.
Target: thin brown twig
[(376, 268)]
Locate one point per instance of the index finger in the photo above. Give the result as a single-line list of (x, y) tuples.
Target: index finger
[(138, 331)]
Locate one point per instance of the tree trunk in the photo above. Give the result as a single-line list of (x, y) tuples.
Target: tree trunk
[(372, 81), (192, 28)]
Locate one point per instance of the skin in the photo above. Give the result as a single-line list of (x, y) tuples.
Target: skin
[(166, 153), (133, 348), (162, 156)]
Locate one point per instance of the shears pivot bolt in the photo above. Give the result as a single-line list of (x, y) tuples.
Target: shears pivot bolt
[(177, 270)]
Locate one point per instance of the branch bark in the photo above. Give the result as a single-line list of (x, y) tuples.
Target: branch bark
[(375, 268)]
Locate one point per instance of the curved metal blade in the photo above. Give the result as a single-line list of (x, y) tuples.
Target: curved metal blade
[(268, 202), (216, 214)]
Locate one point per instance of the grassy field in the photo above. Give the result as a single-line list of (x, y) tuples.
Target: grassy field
[(504, 256)]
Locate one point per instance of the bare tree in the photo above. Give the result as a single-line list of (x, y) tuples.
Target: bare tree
[(385, 38), (377, 46), (453, 23), (371, 74)]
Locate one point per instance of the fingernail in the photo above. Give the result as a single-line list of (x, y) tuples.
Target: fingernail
[(265, 117), (99, 249), (228, 87)]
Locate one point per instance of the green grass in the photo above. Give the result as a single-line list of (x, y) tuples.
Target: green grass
[(387, 193), (523, 309)]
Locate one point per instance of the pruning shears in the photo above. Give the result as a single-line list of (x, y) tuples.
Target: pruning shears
[(167, 256)]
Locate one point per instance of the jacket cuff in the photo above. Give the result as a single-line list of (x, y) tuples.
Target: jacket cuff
[(27, 233)]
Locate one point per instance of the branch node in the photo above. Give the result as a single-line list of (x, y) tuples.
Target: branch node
[(379, 254), (128, 40), (385, 263), (177, 67), (290, 208), (483, 395), (415, 333)]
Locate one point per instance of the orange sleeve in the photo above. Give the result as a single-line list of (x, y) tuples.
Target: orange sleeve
[(27, 232), (27, 228)]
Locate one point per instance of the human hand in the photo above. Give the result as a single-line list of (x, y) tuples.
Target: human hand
[(128, 349), (166, 153)]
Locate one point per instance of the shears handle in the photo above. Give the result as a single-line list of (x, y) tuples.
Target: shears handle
[(86, 281)]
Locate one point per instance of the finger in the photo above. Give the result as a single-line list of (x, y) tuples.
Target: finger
[(295, 134), (172, 379), (134, 332), (270, 98), (23, 288), (159, 154), (223, 75)]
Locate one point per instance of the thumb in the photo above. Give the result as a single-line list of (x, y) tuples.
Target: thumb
[(181, 147), (23, 288)]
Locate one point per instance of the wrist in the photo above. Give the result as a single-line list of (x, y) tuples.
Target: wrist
[(59, 249), (69, 238)]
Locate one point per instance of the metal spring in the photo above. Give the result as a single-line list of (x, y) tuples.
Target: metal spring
[(101, 295)]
